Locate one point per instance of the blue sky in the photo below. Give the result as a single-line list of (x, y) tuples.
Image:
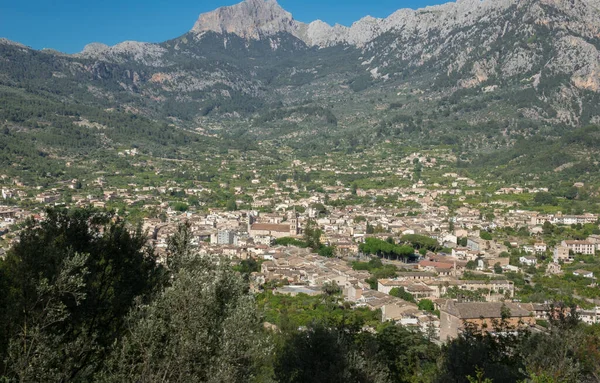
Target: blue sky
[(68, 25)]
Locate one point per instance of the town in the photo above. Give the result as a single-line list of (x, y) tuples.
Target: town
[(439, 251)]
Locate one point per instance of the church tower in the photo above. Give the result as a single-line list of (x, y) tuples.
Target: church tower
[(293, 217)]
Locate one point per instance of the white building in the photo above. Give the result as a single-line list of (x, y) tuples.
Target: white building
[(580, 247), (529, 261)]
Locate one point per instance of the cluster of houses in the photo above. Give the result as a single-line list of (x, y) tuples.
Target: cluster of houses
[(282, 209)]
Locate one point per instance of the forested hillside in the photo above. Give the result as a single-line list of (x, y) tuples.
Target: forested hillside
[(486, 79)]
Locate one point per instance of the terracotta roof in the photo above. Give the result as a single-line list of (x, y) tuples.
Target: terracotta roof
[(436, 264), (476, 310), (415, 274), (270, 227)]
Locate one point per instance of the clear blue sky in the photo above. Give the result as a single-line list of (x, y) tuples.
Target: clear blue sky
[(68, 25)]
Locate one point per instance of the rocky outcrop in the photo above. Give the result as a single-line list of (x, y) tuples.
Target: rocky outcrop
[(4, 41), (251, 19), (256, 19), (143, 53)]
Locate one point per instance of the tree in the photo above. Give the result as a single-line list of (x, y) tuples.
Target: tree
[(327, 251), (548, 228), (117, 270), (180, 206), (400, 292), (421, 242), (370, 228), (231, 205), (331, 289), (571, 193), (479, 377), (483, 355), (490, 217), (325, 354), (566, 354), (408, 355), (485, 235), (426, 305), (203, 328), (544, 198), (312, 235), (41, 344), (498, 268), (179, 247), (319, 209)]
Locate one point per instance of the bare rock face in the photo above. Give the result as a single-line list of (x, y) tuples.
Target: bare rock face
[(144, 53), (94, 49), (251, 19), (257, 19), (10, 42)]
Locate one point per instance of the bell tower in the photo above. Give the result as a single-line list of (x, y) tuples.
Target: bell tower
[(293, 217)]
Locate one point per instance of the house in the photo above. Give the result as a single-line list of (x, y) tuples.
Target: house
[(223, 237), (386, 285), (580, 247), (561, 253), (554, 268), (482, 315), (528, 261), (47, 198), (583, 273), (275, 230), (590, 316), (540, 247), (477, 244)]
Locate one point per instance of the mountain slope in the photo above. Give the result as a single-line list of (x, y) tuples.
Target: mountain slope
[(477, 75)]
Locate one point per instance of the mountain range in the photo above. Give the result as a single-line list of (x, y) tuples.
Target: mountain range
[(482, 75)]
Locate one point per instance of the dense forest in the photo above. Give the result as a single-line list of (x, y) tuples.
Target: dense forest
[(84, 299)]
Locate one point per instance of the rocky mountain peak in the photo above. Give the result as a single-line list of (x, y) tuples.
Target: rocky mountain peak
[(251, 19), (94, 49), (10, 42)]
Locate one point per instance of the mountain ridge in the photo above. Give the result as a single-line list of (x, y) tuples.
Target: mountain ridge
[(479, 75)]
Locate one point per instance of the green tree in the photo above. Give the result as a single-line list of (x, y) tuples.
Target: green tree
[(118, 269), (544, 198), (312, 235), (325, 354), (498, 268), (179, 247), (203, 328), (400, 292), (426, 305), (548, 228), (481, 354), (327, 251), (408, 355), (485, 235), (37, 346), (180, 206), (331, 289), (231, 205)]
